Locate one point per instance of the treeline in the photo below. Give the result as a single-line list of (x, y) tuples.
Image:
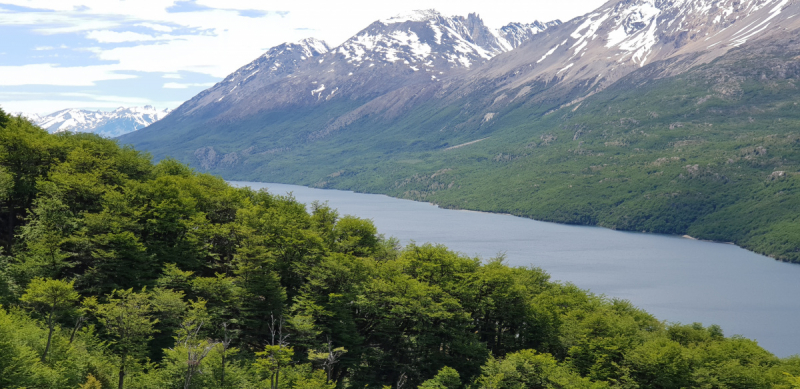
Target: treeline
[(117, 272)]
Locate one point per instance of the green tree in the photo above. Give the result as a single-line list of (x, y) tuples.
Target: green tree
[(792, 381), (27, 153), (323, 220), (327, 358), (528, 369), (49, 224), (54, 297), (91, 383), (355, 236), (271, 361), (304, 376), (127, 318), (19, 364), (447, 378), (189, 337), (661, 363)]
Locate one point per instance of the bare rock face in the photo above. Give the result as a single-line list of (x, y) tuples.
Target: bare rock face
[(206, 157)]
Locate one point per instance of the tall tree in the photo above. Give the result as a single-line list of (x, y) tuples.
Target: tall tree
[(189, 338), (127, 318), (49, 223), (55, 297)]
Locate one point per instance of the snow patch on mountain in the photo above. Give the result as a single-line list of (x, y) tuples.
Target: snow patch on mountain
[(108, 124), (515, 34), (429, 39), (379, 57), (412, 16), (635, 28), (279, 61)]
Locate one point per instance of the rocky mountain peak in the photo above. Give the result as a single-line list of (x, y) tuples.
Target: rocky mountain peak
[(277, 63), (421, 40), (599, 48), (313, 47), (422, 45), (518, 33), (642, 31), (429, 40)]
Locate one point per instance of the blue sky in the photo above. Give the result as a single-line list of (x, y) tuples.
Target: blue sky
[(103, 54)]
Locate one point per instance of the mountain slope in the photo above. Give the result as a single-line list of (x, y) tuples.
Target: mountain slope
[(671, 117), (622, 36), (108, 124), (377, 70)]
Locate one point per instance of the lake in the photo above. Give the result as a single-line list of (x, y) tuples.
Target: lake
[(676, 279)]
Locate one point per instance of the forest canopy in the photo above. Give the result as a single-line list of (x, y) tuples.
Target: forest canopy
[(118, 272)]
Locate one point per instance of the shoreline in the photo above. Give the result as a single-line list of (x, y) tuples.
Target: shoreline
[(684, 236)]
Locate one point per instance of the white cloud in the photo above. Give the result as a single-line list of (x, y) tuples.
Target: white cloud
[(42, 104), (177, 85), (108, 36), (50, 74), (171, 75), (48, 106), (97, 97), (156, 27), (56, 22)]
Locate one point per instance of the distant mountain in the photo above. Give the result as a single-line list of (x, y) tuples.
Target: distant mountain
[(668, 116), (417, 48), (109, 124)]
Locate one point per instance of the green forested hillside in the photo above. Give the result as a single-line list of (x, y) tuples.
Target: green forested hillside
[(713, 152), (120, 273)]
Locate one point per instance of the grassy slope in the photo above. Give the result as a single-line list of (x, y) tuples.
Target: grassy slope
[(688, 154)]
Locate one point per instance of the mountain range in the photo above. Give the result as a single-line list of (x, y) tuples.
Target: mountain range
[(668, 116), (109, 124)]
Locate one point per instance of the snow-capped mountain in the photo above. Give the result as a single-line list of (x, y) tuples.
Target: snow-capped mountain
[(622, 36), (428, 40), (451, 75), (518, 33), (108, 124), (278, 62), (418, 47)]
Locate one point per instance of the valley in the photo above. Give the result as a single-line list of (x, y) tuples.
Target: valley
[(654, 130), (675, 279), (139, 248)]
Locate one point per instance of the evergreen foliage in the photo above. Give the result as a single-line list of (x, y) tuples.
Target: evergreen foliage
[(122, 273)]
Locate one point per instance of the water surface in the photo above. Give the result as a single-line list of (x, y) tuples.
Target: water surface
[(675, 279)]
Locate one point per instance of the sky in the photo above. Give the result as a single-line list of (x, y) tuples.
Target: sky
[(104, 54)]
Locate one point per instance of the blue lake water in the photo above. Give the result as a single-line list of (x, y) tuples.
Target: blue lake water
[(675, 279)]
